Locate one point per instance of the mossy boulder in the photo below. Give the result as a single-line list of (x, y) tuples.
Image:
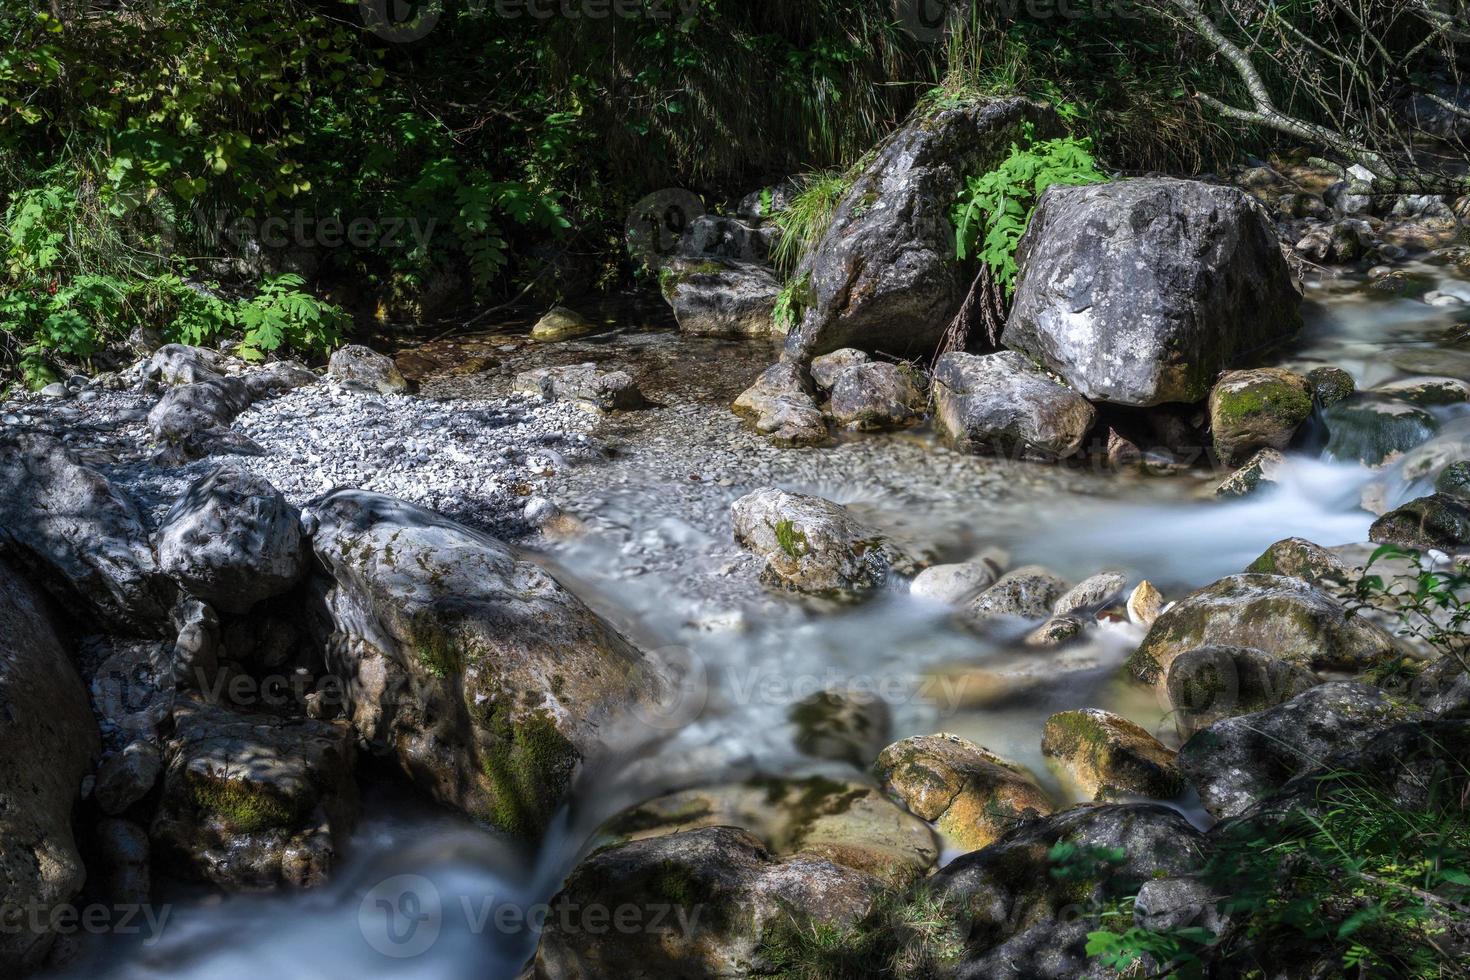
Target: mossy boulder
[(1454, 481), (1257, 409), (1207, 684), (846, 726), (1437, 521), (560, 323), (1302, 559), (1106, 756), (1330, 385), (1373, 430), (970, 794), (1257, 474), (1283, 616), (486, 680)]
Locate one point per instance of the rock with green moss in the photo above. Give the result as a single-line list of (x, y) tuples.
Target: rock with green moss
[(1105, 756), (720, 297), (254, 801), (1257, 409), (1429, 391), (1207, 684), (846, 726), (1437, 521), (1283, 616), (1028, 592), (971, 795), (814, 546), (560, 323), (1237, 761), (484, 678), (1259, 472), (696, 904), (1330, 385), (780, 404), (1302, 559), (1373, 430), (1454, 481)]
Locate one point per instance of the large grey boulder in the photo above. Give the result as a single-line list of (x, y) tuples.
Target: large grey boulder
[(364, 367), (485, 679), (718, 236), (714, 297), (194, 418), (884, 275), (82, 536), (1140, 292), (232, 540), (47, 742), (180, 364), (1001, 403)]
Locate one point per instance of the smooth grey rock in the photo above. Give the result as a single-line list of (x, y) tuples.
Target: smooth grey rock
[(277, 378), (876, 395), (1002, 404), (1028, 592), (1092, 594), (953, 584), (126, 777), (720, 297), (1373, 430), (195, 418), (1337, 242), (780, 404), (1302, 559), (179, 364), (847, 726), (585, 384), (359, 365)]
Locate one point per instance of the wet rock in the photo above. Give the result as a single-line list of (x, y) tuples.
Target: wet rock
[(815, 546), (780, 404), (584, 384), (123, 853), (232, 540), (953, 584), (1208, 684), (1302, 559), (1454, 481), (1028, 592), (1436, 521), (717, 236), (847, 726), (1092, 594), (1106, 756), (254, 801), (1372, 430), (970, 794), (876, 396), (559, 323), (720, 298), (1237, 761), (82, 536), (1337, 242), (366, 368), (478, 672), (1257, 409), (1139, 292), (717, 892), (1145, 604), (883, 276), (1002, 404), (1426, 391), (126, 777), (1056, 631), (1285, 617), (47, 742), (1257, 474)]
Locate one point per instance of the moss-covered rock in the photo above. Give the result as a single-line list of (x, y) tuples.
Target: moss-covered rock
[(970, 794), (1373, 430), (1301, 559), (560, 323), (1283, 616), (847, 726), (1207, 684), (1257, 409), (1454, 481), (1330, 385), (1436, 521), (1106, 756)]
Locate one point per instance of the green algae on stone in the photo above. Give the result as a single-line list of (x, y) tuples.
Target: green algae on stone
[(1107, 756), (1257, 409)]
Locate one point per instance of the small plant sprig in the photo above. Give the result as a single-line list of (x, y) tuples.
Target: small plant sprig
[(1432, 604)]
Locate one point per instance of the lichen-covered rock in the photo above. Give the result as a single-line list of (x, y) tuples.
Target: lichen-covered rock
[(780, 404), (1373, 430), (1003, 404), (1207, 684), (1028, 592), (1257, 409), (1258, 473), (704, 899), (1330, 385), (1145, 604), (1106, 756), (366, 368), (1302, 559), (477, 671), (1283, 616), (875, 396), (953, 584), (1426, 391), (970, 794), (848, 726), (815, 546), (883, 276), (254, 801), (559, 323), (1140, 292), (232, 540), (47, 742), (1237, 761), (1436, 521), (715, 297), (81, 536), (585, 384)]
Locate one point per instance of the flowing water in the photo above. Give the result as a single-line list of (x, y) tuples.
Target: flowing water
[(658, 559)]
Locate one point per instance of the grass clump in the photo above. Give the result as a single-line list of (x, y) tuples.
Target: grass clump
[(806, 219), (916, 937)]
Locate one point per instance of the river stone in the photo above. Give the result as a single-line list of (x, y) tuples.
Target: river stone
[(195, 418), (1257, 409), (1330, 385), (180, 364), (1337, 242), (277, 378), (847, 726), (970, 794), (1003, 404), (559, 323), (1140, 292), (47, 742), (1106, 756), (953, 584), (1283, 616), (365, 367), (1237, 761), (1057, 630), (883, 276), (127, 776), (1145, 604), (1207, 684), (716, 892), (253, 801), (718, 236), (826, 369), (584, 384), (1302, 559), (477, 671), (81, 536), (720, 297), (780, 404), (1092, 594), (1454, 481), (1028, 592), (232, 540), (1426, 391), (1022, 920), (876, 396), (1258, 473), (815, 546), (1372, 430), (1436, 521)]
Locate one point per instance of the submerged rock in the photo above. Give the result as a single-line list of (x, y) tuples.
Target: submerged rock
[(720, 297), (1330, 385), (559, 323), (1373, 430), (1207, 684), (366, 368), (1139, 292), (848, 726), (953, 584), (780, 404), (1002, 404), (1426, 391), (1454, 481), (1437, 521), (1257, 409), (1106, 756), (584, 384)]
